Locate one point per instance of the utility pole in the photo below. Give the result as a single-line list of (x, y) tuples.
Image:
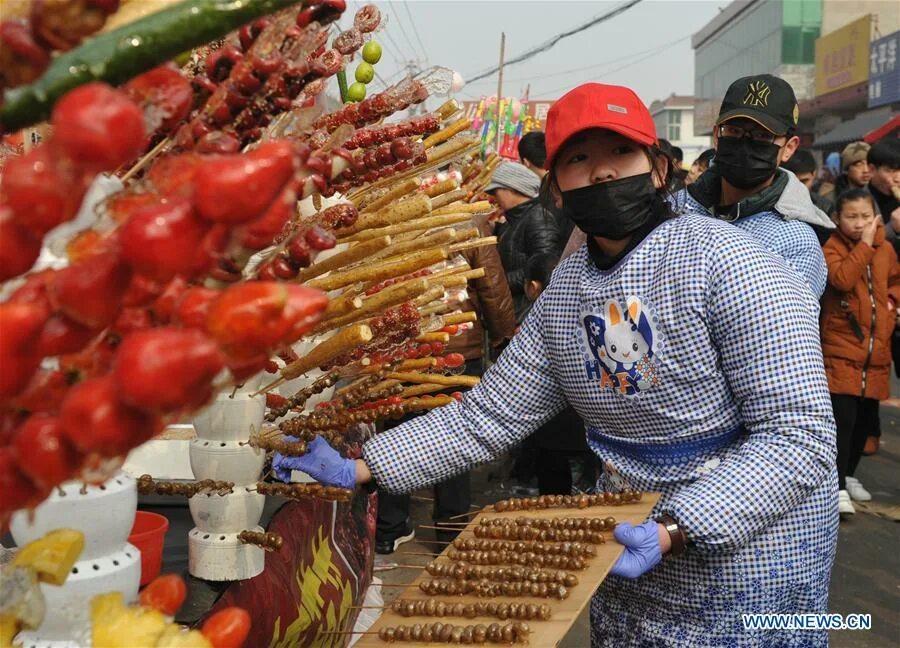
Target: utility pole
[(499, 90)]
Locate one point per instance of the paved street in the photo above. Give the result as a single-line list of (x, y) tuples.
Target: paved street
[(866, 576)]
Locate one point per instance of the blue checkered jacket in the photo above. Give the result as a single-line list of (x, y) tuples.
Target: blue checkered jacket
[(784, 230), (696, 365)]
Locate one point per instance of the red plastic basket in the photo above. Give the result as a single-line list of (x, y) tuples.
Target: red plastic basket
[(148, 534)]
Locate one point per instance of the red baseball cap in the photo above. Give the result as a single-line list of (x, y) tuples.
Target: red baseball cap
[(596, 105)]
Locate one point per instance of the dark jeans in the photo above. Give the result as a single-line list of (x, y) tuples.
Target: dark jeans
[(856, 419), (452, 497)]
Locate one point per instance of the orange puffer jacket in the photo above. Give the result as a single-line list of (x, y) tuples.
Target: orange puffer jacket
[(857, 318)]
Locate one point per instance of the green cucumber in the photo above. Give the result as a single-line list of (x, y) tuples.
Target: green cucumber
[(122, 54)]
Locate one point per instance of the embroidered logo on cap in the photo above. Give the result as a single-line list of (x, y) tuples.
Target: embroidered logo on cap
[(757, 94), (615, 108)]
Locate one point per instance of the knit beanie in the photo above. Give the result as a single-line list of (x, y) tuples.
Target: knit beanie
[(515, 176), (854, 152)]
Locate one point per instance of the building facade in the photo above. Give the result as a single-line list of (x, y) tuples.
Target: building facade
[(838, 55), (674, 119), (754, 37)]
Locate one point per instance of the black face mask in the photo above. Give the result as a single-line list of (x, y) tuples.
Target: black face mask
[(612, 210), (744, 163)]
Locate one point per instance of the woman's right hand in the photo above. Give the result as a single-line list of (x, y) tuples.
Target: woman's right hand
[(323, 463)]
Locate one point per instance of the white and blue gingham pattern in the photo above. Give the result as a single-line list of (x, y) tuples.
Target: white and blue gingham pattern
[(735, 430), (792, 240)]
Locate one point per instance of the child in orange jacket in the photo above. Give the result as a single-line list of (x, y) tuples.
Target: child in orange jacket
[(859, 309)]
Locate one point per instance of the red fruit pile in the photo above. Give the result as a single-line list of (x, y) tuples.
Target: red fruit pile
[(136, 343), (95, 128)]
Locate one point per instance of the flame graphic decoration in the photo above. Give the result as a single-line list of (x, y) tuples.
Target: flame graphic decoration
[(317, 605)]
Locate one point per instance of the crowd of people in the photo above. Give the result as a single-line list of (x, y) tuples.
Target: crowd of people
[(686, 329)]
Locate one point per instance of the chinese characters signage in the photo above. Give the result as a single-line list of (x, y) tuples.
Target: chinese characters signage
[(884, 72), (842, 57)]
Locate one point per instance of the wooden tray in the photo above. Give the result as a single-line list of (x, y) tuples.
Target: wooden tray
[(565, 612)]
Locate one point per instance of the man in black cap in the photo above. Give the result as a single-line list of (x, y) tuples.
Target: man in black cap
[(755, 132)]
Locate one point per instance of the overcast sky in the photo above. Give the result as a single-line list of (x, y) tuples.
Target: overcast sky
[(647, 47)]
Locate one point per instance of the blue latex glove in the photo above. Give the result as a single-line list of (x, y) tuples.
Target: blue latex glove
[(642, 550), (323, 463)]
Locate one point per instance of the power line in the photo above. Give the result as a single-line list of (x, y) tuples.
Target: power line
[(620, 68), (592, 67), (553, 41), (415, 31), (412, 48), (396, 55)]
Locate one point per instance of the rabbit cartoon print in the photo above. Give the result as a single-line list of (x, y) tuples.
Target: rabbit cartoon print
[(622, 341)]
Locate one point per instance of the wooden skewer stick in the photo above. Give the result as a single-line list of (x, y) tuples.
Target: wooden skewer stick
[(418, 224), (433, 293), (368, 607), (461, 525), (446, 133), (460, 318), (381, 271), (450, 184), (403, 566), (436, 379), (341, 342), (461, 515), (476, 207), (416, 206), (399, 584), (418, 553), (140, 164), (378, 303), (448, 109), (434, 337), (418, 390), (448, 198), (466, 245), (438, 239), (443, 528), (338, 308), (438, 308), (357, 253), (396, 192)]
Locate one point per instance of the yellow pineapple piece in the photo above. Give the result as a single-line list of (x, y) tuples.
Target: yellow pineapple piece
[(177, 637), (9, 628), (106, 606), (53, 556), (115, 626)]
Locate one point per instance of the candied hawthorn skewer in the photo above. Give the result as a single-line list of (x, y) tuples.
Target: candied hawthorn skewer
[(503, 611)]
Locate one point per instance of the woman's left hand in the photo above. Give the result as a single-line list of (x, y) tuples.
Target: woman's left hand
[(642, 548)]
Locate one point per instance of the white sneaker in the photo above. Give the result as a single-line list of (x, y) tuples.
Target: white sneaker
[(845, 506), (856, 490)]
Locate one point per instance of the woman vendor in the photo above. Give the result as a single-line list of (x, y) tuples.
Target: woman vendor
[(693, 357)]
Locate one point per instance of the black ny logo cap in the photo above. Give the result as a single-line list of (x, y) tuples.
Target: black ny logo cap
[(766, 99)]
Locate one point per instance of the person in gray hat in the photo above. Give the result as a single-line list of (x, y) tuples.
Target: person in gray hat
[(530, 229)]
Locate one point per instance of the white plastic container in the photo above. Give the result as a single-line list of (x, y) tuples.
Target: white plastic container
[(104, 513), (222, 557), (67, 620), (233, 461), (227, 514), (230, 419)]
